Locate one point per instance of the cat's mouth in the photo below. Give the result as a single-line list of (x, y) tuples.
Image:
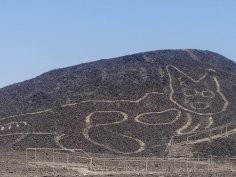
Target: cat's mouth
[(199, 105)]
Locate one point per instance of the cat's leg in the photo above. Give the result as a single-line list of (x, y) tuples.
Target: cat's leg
[(191, 125), (210, 122), (196, 128)]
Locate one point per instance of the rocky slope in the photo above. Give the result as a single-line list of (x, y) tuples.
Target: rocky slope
[(130, 105)]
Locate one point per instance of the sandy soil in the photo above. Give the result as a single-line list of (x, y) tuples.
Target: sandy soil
[(13, 164)]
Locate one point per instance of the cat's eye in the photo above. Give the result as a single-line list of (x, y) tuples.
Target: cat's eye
[(189, 92), (208, 94)]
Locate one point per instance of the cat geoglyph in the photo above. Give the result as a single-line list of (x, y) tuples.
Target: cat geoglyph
[(192, 103)]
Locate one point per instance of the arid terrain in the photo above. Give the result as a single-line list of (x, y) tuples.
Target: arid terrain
[(158, 112), (13, 165)]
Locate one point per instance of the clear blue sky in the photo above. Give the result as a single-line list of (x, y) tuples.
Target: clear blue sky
[(40, 35)]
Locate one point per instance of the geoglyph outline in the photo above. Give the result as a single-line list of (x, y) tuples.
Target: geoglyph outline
[(142, 144)]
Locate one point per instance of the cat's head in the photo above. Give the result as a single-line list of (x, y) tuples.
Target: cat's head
[(202, 96)]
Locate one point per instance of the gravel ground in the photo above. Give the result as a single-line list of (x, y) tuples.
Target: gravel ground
[(13, 165)]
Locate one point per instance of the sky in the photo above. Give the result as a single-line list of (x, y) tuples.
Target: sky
[(40, 35)]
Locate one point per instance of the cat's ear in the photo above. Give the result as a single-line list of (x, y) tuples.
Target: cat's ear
[(178, 77), (210, 82)]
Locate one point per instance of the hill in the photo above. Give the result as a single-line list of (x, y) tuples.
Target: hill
[(130, 105)]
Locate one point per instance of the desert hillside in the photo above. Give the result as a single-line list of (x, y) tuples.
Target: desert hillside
[(132, 105)]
